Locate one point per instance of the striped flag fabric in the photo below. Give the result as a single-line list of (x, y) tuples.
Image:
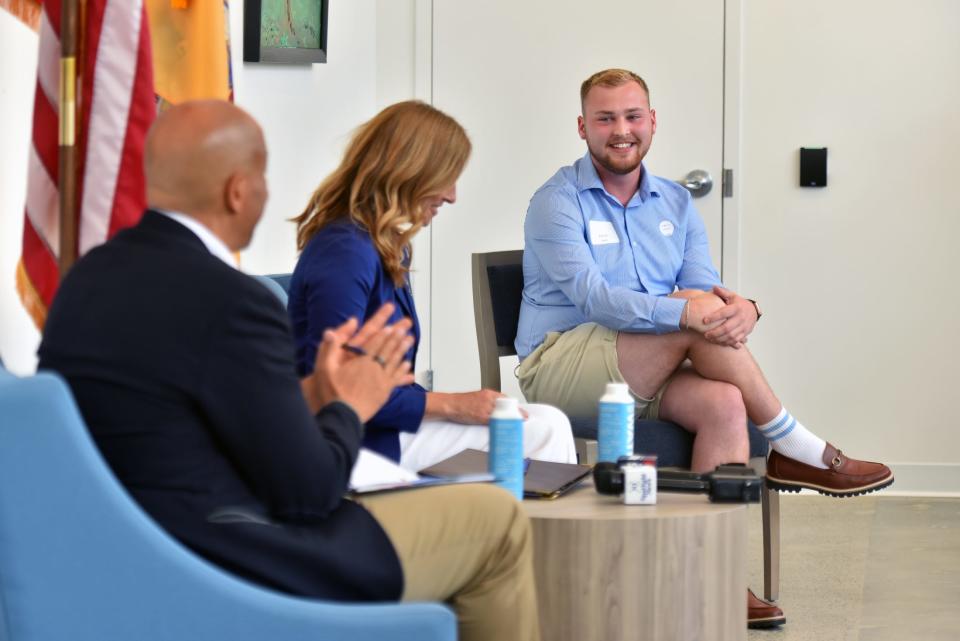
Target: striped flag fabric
[(116, 106)]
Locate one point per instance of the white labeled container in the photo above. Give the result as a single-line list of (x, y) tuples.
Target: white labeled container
[(639, 479)]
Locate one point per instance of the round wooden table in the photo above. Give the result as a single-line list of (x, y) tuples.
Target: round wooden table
[(674, 571)]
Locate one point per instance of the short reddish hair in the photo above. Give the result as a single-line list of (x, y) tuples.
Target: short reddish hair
[(611, 78)]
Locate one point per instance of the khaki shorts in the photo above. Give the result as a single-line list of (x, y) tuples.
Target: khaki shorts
[(570, 370)]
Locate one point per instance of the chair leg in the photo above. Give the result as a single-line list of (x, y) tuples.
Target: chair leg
[(770, 507), (586, 451), (770, 518)]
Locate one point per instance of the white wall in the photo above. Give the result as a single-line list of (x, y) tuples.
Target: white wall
[(396, 46), (18, 76), (307, 113)]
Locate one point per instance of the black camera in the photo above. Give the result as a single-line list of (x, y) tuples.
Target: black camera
[(731, 483)]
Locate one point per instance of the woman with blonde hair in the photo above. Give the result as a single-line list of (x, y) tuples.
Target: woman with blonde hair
[(354, 236)]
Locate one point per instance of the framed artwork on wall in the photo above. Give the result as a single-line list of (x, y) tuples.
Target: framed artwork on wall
[(285, 31)]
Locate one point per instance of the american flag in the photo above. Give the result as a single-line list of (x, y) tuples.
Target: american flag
[(116, 105)]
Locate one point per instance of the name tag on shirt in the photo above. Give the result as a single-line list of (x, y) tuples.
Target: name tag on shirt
[(602, 233)]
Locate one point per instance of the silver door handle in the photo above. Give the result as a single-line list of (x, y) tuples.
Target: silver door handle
[(698, 182)]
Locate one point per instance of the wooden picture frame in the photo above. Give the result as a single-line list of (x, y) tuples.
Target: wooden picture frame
[(271, 34)]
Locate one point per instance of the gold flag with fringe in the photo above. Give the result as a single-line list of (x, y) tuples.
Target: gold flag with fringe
[(191, 50)]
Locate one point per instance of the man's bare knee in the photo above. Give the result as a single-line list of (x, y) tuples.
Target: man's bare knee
[(720, 406), (730, 411), (700, 346)]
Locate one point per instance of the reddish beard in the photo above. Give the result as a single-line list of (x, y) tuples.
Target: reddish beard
[(620, 166)]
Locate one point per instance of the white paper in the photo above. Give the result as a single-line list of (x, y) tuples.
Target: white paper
[(372, 469), (603, 233)]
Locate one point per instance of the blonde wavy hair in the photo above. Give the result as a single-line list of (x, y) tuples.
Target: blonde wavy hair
[(407, 153)]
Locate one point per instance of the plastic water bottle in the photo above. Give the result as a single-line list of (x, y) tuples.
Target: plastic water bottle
[(615, 428), (506, 445)]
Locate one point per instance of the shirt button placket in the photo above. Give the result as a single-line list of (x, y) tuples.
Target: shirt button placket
[(634, 248)]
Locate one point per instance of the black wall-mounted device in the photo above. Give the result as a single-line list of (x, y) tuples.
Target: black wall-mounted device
[(813, 167)]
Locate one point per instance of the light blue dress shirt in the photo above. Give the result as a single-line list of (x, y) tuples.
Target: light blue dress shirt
[(587, 258)]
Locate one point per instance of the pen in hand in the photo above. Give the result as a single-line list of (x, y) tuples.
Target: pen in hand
[(359, 351), (353, 349)]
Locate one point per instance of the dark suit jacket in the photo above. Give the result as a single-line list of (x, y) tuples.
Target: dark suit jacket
[(340, 275), (183, 370)]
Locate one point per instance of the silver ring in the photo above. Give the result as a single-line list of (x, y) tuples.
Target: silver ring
[(380, 360)]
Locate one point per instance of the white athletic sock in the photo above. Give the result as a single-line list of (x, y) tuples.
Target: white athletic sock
[(791, 439)]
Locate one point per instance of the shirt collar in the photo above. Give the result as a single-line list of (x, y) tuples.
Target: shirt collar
[(647, 188), (210, 240), (588, 178)]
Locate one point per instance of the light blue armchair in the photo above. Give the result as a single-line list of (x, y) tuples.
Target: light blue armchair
[(279, 284), (79, 560)]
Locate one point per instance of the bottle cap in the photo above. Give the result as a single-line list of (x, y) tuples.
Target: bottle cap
[(618, 389), (505, 403)]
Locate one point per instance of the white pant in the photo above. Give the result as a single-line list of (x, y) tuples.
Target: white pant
[(546, 437)]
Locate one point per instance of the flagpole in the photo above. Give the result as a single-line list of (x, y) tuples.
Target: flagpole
[(69, 15)]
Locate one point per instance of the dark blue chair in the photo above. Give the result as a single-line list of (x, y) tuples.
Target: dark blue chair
[(497, 289), (80, 560)]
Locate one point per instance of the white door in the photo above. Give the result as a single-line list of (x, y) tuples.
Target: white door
[(859, 278), (510, 72)]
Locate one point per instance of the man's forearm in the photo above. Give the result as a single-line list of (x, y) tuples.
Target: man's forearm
[(687, 293)]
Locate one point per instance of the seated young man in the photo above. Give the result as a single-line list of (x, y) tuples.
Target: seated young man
[(618, 286)]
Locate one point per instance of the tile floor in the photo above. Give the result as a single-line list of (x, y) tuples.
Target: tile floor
[(871, 568)]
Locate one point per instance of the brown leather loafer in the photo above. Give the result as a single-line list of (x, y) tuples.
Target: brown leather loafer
[(762, 614), (844, 477)]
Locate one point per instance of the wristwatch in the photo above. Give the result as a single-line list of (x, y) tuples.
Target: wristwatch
[(757, 307)]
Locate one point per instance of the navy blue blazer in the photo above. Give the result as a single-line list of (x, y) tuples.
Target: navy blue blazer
[(340, 275), (184, 372)]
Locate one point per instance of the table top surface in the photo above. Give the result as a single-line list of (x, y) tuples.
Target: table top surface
[(583, 502)]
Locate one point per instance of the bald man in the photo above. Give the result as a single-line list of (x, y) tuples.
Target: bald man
[(184, 371)]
